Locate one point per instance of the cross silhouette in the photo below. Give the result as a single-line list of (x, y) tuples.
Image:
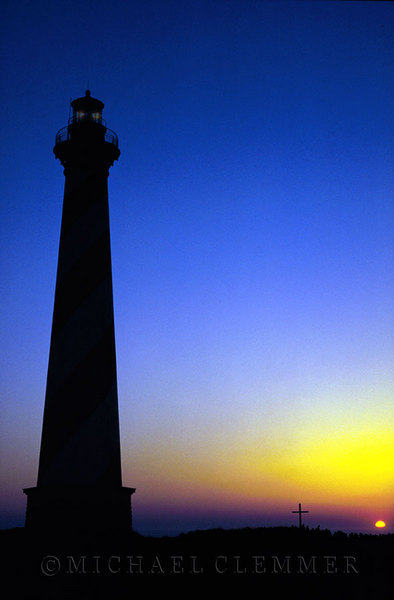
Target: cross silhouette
[(299, 511)]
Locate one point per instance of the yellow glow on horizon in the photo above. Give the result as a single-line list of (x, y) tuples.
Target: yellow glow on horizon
[(340, 466), (342, 462)]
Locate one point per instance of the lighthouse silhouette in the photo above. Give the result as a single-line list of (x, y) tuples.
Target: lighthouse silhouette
[(79, 486)]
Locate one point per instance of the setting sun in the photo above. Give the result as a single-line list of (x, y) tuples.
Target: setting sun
[(380, 524)]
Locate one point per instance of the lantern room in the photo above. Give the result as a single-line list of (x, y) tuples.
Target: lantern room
[(87, 109), (86, 138)]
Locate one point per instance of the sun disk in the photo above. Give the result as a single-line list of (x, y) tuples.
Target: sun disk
[(380, 524)]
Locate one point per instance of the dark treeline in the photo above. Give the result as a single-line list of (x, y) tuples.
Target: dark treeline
[(299, 563)]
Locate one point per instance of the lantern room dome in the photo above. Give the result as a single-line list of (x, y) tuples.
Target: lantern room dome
[(87, 108)]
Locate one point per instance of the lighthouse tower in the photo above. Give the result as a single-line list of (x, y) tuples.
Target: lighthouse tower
[(79, 486)]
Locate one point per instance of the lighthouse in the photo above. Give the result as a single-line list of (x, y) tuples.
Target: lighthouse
[(79, 485)]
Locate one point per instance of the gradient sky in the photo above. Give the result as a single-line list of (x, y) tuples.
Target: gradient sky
[(252, 246)]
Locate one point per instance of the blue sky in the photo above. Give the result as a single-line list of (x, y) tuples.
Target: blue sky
[(251, 223)]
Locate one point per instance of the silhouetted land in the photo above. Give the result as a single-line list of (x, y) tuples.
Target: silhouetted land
[(271, 562)]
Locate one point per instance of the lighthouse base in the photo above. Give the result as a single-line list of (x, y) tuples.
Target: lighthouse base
[(79, 510)]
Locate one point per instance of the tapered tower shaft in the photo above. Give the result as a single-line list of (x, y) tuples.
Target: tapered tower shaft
[(79, 478)]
